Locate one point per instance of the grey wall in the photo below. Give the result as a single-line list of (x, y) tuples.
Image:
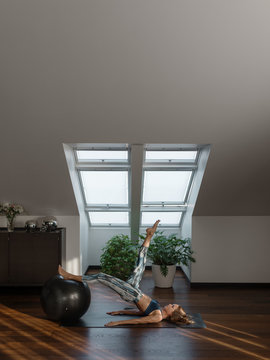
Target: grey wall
[(135, 72)]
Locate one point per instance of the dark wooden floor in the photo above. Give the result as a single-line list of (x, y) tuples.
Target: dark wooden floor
[(237, 319)]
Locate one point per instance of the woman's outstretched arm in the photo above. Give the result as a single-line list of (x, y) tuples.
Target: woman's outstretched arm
[(126, 312), (155, 317)]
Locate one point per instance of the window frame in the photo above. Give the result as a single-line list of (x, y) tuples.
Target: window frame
[(147, 165), (108, 225), (107, 206), (166, 165), (158, 210), (161, 203), (102, 161), (107, 165), (172, 161)]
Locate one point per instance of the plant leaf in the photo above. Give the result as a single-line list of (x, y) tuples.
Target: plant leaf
[(164, 270)]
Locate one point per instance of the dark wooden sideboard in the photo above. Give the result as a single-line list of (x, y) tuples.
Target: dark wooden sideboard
[(30, 258)]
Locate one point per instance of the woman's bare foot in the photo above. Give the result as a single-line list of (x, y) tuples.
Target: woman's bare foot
[(149, 233), (68, 276), (62, 272)]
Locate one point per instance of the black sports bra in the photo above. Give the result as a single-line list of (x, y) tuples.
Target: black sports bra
[(154, 305)]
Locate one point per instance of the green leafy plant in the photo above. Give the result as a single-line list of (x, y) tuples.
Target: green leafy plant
[(119, 256), (169, 250)]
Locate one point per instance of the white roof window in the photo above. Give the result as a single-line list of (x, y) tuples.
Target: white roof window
[(166, 186), (102, 155), (166, 218), (171, 156), (108, 218), (162, 182), (105, 187)]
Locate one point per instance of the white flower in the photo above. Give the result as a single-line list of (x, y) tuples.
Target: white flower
[(10, 210), (19, 208)]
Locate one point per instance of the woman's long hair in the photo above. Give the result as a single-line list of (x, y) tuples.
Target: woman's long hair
[(177, 317)]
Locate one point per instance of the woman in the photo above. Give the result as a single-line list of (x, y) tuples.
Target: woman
[(149, 309)]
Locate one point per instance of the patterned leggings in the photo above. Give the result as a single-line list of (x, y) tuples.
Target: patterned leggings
[(128, 290)]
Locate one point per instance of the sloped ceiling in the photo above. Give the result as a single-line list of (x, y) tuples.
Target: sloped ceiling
[(144, 71)]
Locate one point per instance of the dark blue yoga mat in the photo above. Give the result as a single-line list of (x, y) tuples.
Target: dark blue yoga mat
[(94, 319)]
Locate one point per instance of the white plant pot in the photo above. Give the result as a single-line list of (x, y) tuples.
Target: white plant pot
[(163, 281)]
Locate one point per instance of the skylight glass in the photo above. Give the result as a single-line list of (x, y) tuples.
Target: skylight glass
[(166, 218), (98, 155), (105, 187), (108, 218), (165, 186), (179, 155), (165, 174)]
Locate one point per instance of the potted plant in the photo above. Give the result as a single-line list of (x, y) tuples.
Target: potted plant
[(165, 252), (119, 256)]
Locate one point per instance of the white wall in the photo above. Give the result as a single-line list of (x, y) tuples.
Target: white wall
[(72, 225), (98, 239), (186, 232), (231, 249), (84, 242), (186, 229), (82, 237)]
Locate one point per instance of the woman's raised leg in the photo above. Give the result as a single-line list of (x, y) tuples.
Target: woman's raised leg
[(149, 234), (137, 274), (129, 290), (68, 276), (125, 290)]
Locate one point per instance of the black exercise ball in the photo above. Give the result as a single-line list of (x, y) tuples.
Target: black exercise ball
[(65, 300)]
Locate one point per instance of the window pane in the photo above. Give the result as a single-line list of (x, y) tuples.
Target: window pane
[(109, 218), (166, 186), (171, 155), (167, 218), (97, 155), (105, 187)]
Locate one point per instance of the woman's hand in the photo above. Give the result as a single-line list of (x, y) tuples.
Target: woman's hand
[(125, 312), (113, 313), (155, 317), (112, 323)]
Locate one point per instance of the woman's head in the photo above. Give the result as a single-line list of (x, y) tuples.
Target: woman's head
[(178, 315)]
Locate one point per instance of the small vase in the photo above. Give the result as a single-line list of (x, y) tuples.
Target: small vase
[(10, 225)]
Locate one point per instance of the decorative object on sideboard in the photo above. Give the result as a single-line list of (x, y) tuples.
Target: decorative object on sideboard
[(49, 223), (31, 225), (10, 211)]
